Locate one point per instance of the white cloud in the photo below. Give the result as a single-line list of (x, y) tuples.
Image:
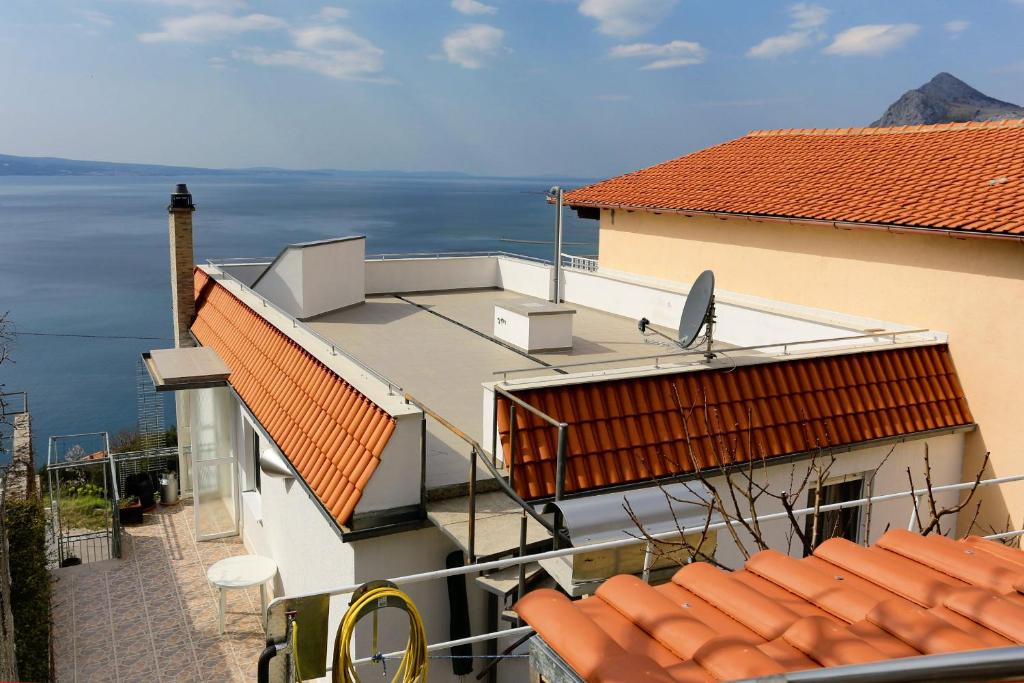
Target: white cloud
[(807, 16), (471, 47), (332, 51), (472, 7), (626, 18), (200, 28), (329, 14), (96, 18), (667, 56), (776, 46), (871, 39), (806, 21), (957, 26), (202, 5)]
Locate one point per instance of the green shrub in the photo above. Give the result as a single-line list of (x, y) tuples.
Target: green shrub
[(30, 587), (84, 512)]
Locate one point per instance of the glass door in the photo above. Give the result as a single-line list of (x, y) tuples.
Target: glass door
[(214, 413)]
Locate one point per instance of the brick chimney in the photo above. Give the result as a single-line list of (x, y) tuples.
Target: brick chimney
[(182, 263)]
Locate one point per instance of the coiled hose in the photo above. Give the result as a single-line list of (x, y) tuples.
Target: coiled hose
[(413, 668)]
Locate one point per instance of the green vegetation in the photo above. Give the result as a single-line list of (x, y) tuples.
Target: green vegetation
[(83, 506), (30, 587)]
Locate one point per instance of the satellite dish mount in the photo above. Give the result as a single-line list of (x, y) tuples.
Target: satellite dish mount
[(698, 314)]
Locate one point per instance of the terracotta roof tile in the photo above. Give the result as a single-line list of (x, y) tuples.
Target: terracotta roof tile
[(331, 433), (821, 622), (966, 177), (628, 430)]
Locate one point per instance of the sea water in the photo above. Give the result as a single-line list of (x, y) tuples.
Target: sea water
[(88, 255)]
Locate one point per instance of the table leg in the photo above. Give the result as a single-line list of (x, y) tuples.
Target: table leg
[(263, 605), (223, 609)]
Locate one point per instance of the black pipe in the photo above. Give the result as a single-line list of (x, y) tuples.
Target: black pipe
[(263, 665)]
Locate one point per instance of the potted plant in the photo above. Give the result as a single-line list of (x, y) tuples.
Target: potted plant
[(130, 510)]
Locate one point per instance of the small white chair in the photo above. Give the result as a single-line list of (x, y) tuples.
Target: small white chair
[(238, 572)]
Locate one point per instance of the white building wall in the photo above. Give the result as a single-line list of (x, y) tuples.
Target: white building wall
[(526, 277), (282, 282), (333, 275), (316, 277), (735, 324), (393, 276), (396, 481), (946, 456)]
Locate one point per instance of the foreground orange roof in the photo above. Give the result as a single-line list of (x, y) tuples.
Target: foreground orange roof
[(331, 433), (633, 429), (956, 176), (908, 595)]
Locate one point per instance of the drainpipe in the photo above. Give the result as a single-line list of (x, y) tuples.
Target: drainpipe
[(183, 307), (556, 288)]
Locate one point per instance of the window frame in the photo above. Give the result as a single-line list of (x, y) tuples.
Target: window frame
[(858, 521)]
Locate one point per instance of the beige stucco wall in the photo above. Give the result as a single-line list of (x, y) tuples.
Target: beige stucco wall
[(971, 288)]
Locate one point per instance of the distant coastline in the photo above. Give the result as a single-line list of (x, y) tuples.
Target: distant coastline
[(11, 165)]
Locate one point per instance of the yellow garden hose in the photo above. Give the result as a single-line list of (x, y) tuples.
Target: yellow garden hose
[(413, 668)]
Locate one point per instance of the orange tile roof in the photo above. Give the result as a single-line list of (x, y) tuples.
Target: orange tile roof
[(846, 604), (331, 433), (629, 430), (955, 176)]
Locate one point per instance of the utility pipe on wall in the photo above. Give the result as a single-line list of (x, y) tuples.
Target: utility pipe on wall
[(556, 289)]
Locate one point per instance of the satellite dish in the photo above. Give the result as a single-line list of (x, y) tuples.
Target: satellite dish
[(698, 309)]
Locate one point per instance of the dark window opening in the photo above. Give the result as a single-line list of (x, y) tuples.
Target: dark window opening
[(844, 523), (256, 459)]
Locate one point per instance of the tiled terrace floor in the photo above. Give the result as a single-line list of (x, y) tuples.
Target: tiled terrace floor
[(152, 616)]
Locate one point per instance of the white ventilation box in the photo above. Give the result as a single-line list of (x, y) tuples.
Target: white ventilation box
[(534, 325), (311, 278)]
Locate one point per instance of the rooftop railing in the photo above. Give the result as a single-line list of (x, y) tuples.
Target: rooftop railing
[(522, 560), (454, 254), (891, 336), (394, 388)]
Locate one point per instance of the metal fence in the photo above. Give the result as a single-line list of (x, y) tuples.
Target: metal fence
[(84, 499), (280, 646)]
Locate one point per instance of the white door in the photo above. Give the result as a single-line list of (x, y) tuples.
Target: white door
[(214, 466)]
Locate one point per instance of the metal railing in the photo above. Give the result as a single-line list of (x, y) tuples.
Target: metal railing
[(891, 335), (586, 264), (477, 453), (992, 664), (517, 403), (241, 261), (454, 254), (504, 563), (523, 560), (394, 389), (85, 541), (5, 406)]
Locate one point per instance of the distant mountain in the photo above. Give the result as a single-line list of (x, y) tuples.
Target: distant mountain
[(946, 99), (53, 166)]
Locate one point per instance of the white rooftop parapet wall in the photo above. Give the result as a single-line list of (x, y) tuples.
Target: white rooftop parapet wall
[(311, 278), (741, 320)]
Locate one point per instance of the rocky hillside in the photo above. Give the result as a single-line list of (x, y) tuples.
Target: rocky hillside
[(945, 99)]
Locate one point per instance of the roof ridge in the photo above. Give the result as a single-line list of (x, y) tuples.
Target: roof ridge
[(893, 130)]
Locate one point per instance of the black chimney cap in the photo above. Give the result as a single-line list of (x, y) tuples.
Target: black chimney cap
[(181, 198)]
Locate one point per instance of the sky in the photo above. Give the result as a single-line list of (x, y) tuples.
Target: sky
[(577, 88)]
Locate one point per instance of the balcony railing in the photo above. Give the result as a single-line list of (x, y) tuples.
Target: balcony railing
[(585, 263), (280, 639)]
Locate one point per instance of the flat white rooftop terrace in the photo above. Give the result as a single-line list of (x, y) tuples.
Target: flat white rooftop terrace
[(424, 327)]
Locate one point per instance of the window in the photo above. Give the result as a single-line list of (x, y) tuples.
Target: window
[(249, 458), (844, 523), (256, 460)]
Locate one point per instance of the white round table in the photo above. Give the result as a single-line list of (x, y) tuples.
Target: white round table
[(242, 571)]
